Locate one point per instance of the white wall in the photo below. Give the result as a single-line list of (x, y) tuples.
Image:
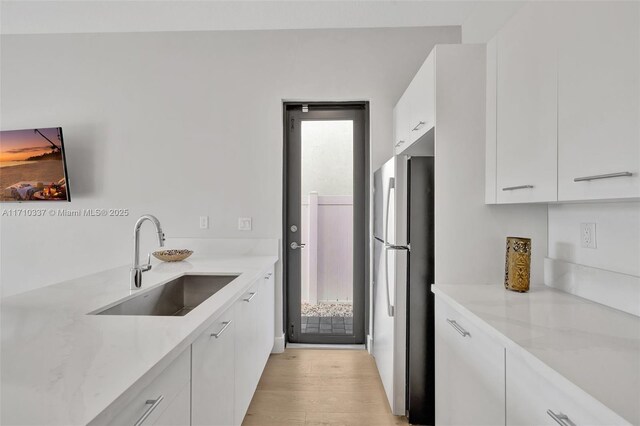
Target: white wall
[(617, 235), (181, 125)]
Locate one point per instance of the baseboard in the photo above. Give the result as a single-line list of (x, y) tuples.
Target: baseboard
[(369, 343), (278, 345)]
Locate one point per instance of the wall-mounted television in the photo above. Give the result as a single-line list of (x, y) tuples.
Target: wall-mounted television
[(33, 166)]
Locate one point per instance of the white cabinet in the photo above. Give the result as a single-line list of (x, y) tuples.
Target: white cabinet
[(414, 114), (469, 372), (599, 97), (213, 374), (535, 399), (165, 401), (254, 313), (563, 104), (527, 100)]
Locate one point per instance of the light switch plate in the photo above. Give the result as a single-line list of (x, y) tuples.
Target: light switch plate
[(588, 235), (244, 224), (204, 222)]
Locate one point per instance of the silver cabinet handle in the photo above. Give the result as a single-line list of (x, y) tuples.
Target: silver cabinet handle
[(225, 324), (418, 126), (251, 296), (462, 331), (154, 404), (605, 176), (295, 245), (512, 188), (399, 143), (561, 419)]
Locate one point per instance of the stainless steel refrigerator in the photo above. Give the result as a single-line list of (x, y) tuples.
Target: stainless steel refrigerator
[(403, 271)]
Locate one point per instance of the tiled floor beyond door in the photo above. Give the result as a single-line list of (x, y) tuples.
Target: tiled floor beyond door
[(320, 387)]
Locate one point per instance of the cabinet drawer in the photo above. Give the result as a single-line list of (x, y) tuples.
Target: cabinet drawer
[(533, 398), (172, 387), (469, 371)]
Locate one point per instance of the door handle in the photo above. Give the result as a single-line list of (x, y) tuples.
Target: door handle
[(391, 187), (294, 245)]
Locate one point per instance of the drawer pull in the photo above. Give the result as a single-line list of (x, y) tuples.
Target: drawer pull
[(418, 126), (154, 404), (462, 331), (605, 176), (561, 419), (219, 333), (399, 143), (513, 188), (251, 296)]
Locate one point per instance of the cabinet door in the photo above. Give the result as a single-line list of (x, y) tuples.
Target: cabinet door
[(534, 397), (469, 372), (527, 108), (268, 316), (414, 115), (401, 124), (213, 373), (247, 348), (599, 96), (421, 100), (164, 401)]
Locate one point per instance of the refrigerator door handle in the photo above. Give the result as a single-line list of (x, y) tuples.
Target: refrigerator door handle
[(390, 308)]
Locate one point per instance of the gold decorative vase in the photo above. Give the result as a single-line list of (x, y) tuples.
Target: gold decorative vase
[(517, 270)]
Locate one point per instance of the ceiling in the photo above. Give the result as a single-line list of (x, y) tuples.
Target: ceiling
[(91, 16)]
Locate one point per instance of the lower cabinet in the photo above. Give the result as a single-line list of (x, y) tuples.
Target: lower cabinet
[(469, 372), (166, 401), (213, 367), (254, 340), (536, 400), (480, 382), (213, 381)]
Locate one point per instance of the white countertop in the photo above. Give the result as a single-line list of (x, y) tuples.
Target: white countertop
[(595, 347), (62, 366)]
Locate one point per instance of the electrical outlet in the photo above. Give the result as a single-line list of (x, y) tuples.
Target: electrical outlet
[(204, 222), (244, 224), (588, 235)]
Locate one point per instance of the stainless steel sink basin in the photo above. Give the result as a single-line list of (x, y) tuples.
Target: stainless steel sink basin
[(175, 298)]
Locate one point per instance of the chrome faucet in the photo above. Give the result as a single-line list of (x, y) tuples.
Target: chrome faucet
[(137, 269)]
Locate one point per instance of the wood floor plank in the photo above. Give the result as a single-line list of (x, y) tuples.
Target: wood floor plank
[(321, 387)]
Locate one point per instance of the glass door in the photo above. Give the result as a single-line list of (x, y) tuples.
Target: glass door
[(325, 229)]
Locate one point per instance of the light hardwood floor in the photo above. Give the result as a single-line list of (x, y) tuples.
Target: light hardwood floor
[(320, 387)]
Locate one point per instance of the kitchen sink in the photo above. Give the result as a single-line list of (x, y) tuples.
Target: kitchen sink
[(175, 298)]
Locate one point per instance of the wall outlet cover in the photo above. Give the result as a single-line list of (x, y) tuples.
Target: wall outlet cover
[(244, 224), (204, 222), (588, 235)]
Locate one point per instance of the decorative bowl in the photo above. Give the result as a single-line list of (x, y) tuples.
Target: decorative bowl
[(172, 255)]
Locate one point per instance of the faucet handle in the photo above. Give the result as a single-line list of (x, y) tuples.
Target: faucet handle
[(146, 266)]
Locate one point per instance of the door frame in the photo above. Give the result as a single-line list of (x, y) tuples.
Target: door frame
[(361, 230)]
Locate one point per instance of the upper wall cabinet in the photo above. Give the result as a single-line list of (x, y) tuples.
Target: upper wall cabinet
[(414, 113), (526, 109), (598, 103), (563, 104)]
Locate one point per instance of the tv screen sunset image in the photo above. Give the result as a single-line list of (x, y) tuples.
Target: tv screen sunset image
[(32, 165)]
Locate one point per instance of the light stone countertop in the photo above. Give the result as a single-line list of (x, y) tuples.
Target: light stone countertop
[(595, 347), (61, 366)]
